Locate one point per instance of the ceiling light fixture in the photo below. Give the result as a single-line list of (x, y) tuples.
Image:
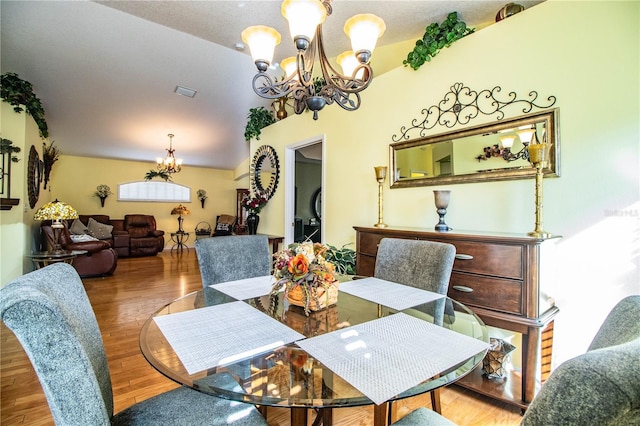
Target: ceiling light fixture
[(308, 91), (169, 164)]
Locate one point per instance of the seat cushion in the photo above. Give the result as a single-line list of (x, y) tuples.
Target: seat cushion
[(188, 407)]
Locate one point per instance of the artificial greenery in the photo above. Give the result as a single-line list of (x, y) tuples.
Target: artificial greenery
[(17, 92), (435, 38), (343, 258), (155, 173), (318, 85), (6, 147), (258, 119), (50, 154)]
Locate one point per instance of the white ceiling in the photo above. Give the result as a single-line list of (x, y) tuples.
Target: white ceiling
[(106, 71)]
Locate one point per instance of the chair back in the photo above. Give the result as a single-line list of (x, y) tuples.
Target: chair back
[(416, 263), (233, 257), (600, 387), (49, 312), (622, 325)]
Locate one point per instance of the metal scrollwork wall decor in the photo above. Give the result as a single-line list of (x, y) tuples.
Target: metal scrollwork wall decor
[(461, 105), (265, 171)]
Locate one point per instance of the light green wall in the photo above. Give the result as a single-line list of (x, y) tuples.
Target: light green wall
[(308, 178), (17, 231), (553, 49)]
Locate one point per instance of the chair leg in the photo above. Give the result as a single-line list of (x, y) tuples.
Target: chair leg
[(435, 401)]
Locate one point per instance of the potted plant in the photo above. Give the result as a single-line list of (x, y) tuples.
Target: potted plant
[(50, 154), (435, 38), (102, 192), (202, 195), (343, 258), (253, 205), (17, 92), (258, 119), (155, 173)]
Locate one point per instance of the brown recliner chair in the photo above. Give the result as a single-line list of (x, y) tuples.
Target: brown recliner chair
[(145, 239), (100, 259)]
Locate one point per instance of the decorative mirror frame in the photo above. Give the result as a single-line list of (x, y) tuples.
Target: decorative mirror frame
[(549, 120), (460, 106), (316, 207), (265, 153), (34, 177)]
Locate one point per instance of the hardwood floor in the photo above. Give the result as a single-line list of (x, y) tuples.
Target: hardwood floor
[(125, 300)]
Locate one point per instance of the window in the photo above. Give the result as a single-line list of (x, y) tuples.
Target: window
[(153, 191)]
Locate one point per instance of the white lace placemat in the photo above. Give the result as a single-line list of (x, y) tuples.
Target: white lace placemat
[(222, 334), (247, 288), (393, 295), (384, 357)]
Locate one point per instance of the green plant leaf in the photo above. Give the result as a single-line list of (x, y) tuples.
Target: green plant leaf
[(16, 92), (258, 119), (435, 38)]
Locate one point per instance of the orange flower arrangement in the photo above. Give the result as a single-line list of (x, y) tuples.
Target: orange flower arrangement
[(305, 274)]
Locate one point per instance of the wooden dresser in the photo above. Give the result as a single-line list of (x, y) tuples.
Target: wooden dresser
[(502, 278)]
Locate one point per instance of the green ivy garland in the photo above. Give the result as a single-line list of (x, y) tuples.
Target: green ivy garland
[(258, 119), (17, 92), (435, 38)]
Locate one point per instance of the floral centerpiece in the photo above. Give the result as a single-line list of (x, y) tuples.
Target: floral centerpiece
[(306, 276), (254, 203)]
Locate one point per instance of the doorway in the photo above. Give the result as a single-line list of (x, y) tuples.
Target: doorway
[(304, 179)]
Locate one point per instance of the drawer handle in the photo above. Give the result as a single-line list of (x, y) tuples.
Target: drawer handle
[(463, 288), (464, 256)]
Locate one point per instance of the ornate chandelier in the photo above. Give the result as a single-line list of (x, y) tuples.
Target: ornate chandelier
[(308, 91), (169, 164)]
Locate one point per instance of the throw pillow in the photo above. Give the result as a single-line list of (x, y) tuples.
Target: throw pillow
[(99, 230), (223, 229), (78, 228)]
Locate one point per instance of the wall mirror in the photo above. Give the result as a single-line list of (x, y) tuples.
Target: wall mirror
[(476, 154), (265, 171)]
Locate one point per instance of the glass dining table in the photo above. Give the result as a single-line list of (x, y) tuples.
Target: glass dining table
[(288, 376)]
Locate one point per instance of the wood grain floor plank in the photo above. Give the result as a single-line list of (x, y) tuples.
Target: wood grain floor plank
[(124, 301)]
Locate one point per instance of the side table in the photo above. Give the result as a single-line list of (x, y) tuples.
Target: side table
[(179, 238), (43, 258)]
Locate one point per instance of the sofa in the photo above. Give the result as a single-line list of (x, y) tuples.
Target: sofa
[(100, 260), (135, 235)]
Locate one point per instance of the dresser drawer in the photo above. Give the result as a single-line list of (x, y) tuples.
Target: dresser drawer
[(489, 259), (368, 242), (492, 293)]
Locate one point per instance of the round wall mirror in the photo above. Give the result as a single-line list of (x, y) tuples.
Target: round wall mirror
[(265, 171), (33, 176), (316, 206)]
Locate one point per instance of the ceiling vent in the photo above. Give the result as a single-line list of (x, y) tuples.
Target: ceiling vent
[(185, 91)]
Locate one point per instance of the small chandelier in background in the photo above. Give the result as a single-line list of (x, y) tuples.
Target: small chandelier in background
[(169, 164), (527, 136), (308, 91)]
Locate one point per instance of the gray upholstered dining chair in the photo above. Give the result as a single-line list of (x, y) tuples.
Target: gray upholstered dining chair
[(49, 312), (234, 257), (600, 387), (417, 263)]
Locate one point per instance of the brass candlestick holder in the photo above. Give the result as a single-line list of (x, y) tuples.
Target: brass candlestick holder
[(539, 158), (381, 174)]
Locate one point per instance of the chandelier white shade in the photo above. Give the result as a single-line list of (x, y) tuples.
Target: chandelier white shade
[(308, 90)]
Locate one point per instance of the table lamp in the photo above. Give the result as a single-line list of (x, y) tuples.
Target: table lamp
[(180, 210), (55, 211)]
